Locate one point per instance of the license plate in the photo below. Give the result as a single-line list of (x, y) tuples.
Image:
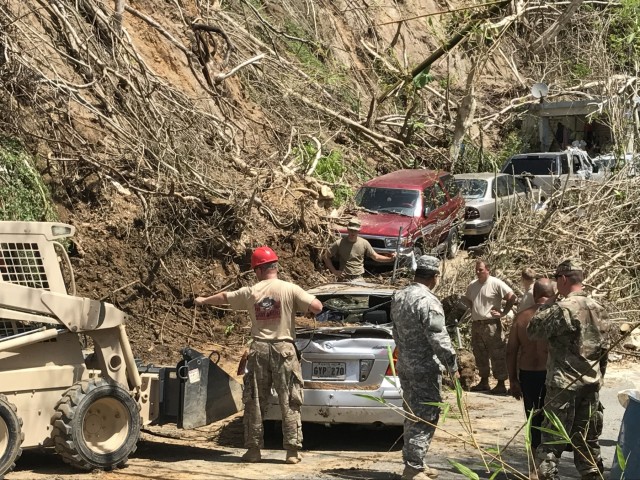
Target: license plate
[(328, 370)]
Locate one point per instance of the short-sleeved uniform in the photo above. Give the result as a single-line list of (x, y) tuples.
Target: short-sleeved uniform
[(487, 338), (272, 305), (423, 345), (351, 255)]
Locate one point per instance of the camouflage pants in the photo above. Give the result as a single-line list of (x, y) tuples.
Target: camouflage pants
[(581, 414), (416, 390), (487, 342), (273, 363)]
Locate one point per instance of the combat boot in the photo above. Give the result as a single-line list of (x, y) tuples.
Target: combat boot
[(499, 389), (482, 386), (432, 472), (411, 473), (252, 455), (293, 457)]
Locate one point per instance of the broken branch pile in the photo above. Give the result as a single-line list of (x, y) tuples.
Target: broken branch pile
[(595, 223)]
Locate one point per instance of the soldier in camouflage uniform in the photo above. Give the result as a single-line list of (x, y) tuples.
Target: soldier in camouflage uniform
[(576, 331), (272, 305), (420, 335)]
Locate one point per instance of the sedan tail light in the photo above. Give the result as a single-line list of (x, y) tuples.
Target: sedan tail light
[(470, 213), (389, 372), (365, 369)]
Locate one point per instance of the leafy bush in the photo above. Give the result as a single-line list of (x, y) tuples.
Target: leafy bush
[(23, 195), (624, 33)]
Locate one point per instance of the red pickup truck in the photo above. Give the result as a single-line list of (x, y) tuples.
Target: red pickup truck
[(424, 204)]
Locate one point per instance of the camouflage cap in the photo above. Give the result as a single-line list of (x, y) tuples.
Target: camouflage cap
[(429, 263), (354, 224), (569, 265)]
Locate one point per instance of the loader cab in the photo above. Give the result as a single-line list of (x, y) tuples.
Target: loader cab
[(30, 253)]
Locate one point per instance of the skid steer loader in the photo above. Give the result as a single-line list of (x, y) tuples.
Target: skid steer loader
[(88, 405)]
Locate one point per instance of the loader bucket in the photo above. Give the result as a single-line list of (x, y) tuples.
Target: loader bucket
[(207, 393)]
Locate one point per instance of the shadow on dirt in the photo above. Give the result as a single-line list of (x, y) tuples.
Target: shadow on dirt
[(358, 474), (47, 462), (340, 437), (169, 452)]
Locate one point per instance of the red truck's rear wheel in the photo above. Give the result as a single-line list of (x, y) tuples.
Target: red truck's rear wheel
[(96, 425), (11, 436)]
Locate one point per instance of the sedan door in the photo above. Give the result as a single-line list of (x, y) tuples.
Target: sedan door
[(501, 195)]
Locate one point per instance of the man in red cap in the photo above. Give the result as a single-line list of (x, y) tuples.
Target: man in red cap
[(272, 305)]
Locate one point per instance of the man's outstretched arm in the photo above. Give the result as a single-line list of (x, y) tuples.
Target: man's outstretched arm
[(217, 299)]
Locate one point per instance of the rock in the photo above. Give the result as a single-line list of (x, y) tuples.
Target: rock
[(326, 193), (466, 368)]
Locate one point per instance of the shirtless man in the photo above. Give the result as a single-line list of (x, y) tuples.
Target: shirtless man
[(531, 357)]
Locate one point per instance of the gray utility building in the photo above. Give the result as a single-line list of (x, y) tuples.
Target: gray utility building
[(554, 126)]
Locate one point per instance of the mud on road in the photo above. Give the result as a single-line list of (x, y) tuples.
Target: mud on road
[(341, 452)]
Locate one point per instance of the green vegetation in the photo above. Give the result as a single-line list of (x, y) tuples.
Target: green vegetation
[(624, 33), (308, 56), (580, 70), (229, 329), (23, 195), (473, 159), (512, 145), (330, 168)]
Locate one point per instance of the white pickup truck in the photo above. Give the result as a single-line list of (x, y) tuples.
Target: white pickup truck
[(551, 170)]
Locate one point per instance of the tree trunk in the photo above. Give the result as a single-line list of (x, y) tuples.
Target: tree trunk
[(117, 16), (550, 33), (464, 115)]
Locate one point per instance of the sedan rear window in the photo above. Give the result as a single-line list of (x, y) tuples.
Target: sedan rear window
[(356, 309), (472, 187)]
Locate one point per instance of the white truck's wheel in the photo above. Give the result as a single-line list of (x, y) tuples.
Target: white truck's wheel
[(96, 425), (11, 436)]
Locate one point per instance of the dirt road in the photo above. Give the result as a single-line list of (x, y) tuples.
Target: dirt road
[(330, 453)]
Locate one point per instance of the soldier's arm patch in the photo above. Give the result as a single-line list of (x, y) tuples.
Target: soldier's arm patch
[(436, 320)]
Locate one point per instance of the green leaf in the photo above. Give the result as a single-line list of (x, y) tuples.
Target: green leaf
[(372, 397), (459, 394), (444, 407), (466, 471), (392, 365), (558, 425), (495, 474), (420, 80), (621, 460), (527, 431)]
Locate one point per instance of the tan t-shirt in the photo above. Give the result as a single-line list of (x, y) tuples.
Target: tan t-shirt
[(272, 305), (486, 296), (351, 255), (526, 301)]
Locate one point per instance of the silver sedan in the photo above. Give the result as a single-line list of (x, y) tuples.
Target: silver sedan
[(486, 196), (346, 367)]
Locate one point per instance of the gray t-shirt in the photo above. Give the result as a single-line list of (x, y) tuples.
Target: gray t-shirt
[(486, 296)]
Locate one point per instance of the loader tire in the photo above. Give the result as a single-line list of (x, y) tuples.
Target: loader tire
[(96, 425), (11, 436)]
